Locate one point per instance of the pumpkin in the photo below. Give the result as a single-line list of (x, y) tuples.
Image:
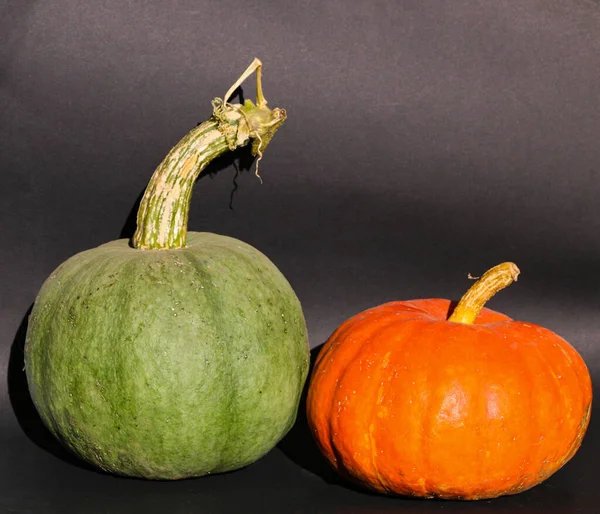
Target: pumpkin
[(178, 354), (406, 400)]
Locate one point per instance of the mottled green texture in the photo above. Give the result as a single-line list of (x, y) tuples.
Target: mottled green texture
[(168, 364)]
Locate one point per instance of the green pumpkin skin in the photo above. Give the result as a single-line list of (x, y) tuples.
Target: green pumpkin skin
[(167, 364)]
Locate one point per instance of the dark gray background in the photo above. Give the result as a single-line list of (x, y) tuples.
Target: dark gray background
[(425, 140)]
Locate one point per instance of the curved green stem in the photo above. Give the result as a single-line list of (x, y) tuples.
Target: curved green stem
[(163, 213)]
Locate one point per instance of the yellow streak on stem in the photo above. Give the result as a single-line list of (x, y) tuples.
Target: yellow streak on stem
[(488, 285)]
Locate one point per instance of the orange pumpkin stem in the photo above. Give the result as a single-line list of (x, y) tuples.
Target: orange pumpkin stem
[(488, 285)]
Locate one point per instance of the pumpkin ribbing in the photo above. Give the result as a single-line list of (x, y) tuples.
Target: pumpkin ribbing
[(169, 364), (182, 355), (404, 401)]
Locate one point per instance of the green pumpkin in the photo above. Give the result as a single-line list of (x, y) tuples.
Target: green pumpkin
[(177, 354)]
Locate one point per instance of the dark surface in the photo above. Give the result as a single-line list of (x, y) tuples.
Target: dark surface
[(425, 140)]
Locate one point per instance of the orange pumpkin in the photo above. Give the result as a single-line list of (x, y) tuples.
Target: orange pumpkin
[(408, 401)]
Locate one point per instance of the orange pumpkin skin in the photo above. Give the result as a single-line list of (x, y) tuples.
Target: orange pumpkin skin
[(405, 402)]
